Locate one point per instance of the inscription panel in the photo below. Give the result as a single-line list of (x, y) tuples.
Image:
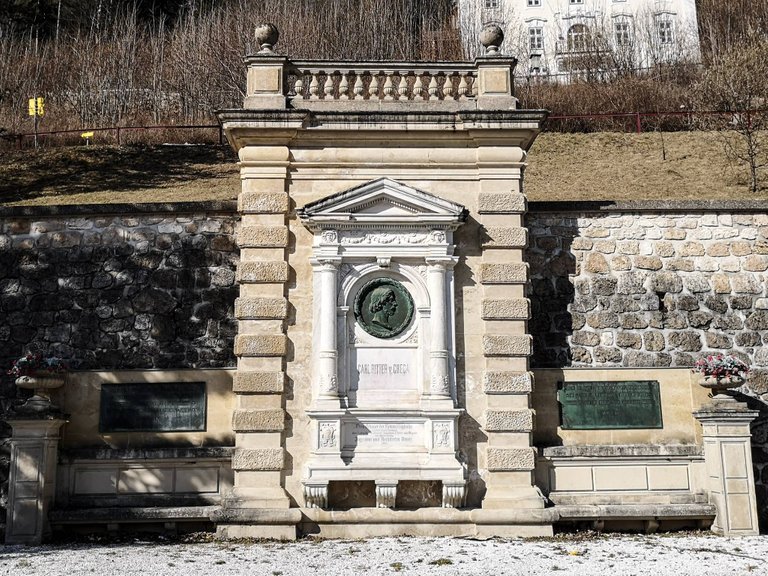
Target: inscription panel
[(390, 368), (602, 405), (374, 435), (159, 407)]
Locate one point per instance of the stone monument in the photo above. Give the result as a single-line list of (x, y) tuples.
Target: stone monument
[(383, 352)]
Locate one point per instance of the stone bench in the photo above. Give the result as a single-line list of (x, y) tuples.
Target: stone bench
[(650, 514), (114, 517)]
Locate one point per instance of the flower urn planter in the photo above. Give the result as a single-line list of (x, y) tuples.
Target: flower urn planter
[(41, 385), (719, 385)]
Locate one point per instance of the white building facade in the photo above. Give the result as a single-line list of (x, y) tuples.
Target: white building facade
[(581, 38)]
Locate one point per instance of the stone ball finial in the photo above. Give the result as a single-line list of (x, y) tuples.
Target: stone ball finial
[(266, 36), (491, 36)]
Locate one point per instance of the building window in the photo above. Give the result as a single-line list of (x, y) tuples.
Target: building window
[(623, 33), (578, 38), (534, 3), (575, 1), (491, 4), (665, 29), (536, 38)]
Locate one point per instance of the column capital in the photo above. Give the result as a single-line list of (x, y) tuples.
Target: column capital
[(441, 262), (329, 263), (732, 412)]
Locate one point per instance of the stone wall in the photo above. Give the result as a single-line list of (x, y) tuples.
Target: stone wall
[(116, 287), (654, 286), (131, 288), (642, 288)]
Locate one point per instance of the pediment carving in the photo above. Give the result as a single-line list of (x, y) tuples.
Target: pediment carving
[(382, 202)]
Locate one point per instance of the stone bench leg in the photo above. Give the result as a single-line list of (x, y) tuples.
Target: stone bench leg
[(386, 494), (34, 447)]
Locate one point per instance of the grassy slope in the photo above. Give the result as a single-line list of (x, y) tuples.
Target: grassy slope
[(617, 166), (108, 174), (602, 166)]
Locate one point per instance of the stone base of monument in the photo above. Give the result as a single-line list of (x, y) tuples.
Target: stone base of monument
[(270, 523), (427, 522)]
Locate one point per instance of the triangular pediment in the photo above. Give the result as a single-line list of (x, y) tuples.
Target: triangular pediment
[(382, 201)]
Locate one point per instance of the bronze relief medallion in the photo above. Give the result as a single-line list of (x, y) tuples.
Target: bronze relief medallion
[(384, 308)]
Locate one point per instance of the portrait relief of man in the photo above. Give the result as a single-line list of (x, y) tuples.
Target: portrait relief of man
[(383, 305)]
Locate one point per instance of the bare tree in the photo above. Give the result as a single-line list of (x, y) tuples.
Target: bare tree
[(737, 82)]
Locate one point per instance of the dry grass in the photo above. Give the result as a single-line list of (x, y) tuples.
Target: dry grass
[(620, 166), (563, 167), (111, 175)]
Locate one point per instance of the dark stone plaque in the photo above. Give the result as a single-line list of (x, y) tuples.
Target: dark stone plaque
[(600, 405), (159, 407), (384, 307)]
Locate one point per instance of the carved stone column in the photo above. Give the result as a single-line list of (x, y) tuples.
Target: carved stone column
[(326, 372), (34, 447), (439, 381), (728, 456)]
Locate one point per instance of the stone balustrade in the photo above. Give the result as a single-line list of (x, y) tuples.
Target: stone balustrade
[(453, 81), (277, 82)]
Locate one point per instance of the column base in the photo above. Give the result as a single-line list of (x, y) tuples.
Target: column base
[(256, 498), (271, 524), (520, 498)]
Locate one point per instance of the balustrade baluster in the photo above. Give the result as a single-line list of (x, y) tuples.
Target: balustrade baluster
[(389, 88), (402, 87), (418, 88), (373, 89), (463, 87), (432, 86), (298, 86), (357, 89), (344, 87), (314, 87), (328, 86), (448, 87)]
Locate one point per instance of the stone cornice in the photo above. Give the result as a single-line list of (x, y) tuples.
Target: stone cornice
[(659, 206), (175, 208)]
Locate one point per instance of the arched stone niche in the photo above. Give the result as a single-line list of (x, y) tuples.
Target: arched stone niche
[(384, 403)]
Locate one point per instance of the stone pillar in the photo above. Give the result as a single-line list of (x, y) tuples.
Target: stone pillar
[(728, 458), (31, 486), (506, 343), (439, 381), (261, 346), (266, 72), (326, 354)]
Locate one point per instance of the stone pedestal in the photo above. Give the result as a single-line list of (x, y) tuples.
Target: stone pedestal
[(728, 457), (34, 446)]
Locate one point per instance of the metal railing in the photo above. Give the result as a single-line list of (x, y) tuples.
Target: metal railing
[(116, 134), (638, 122)]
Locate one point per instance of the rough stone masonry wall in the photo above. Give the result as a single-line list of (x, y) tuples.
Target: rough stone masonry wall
[(152, 290), (132, 288), (649, 289), (654, 288)]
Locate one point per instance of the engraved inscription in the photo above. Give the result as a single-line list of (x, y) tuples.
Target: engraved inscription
[(378, 433), (389, 369), (382, 369), (596, 405), (162, 407)]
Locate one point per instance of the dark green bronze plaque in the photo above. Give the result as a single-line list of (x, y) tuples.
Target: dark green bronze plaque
[(384, 308), (161, 407), (600, 405)]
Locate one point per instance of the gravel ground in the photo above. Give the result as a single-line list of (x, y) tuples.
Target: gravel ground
[(592, 555)]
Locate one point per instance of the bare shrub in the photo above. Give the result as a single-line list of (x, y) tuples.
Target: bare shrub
[(737, 82)]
